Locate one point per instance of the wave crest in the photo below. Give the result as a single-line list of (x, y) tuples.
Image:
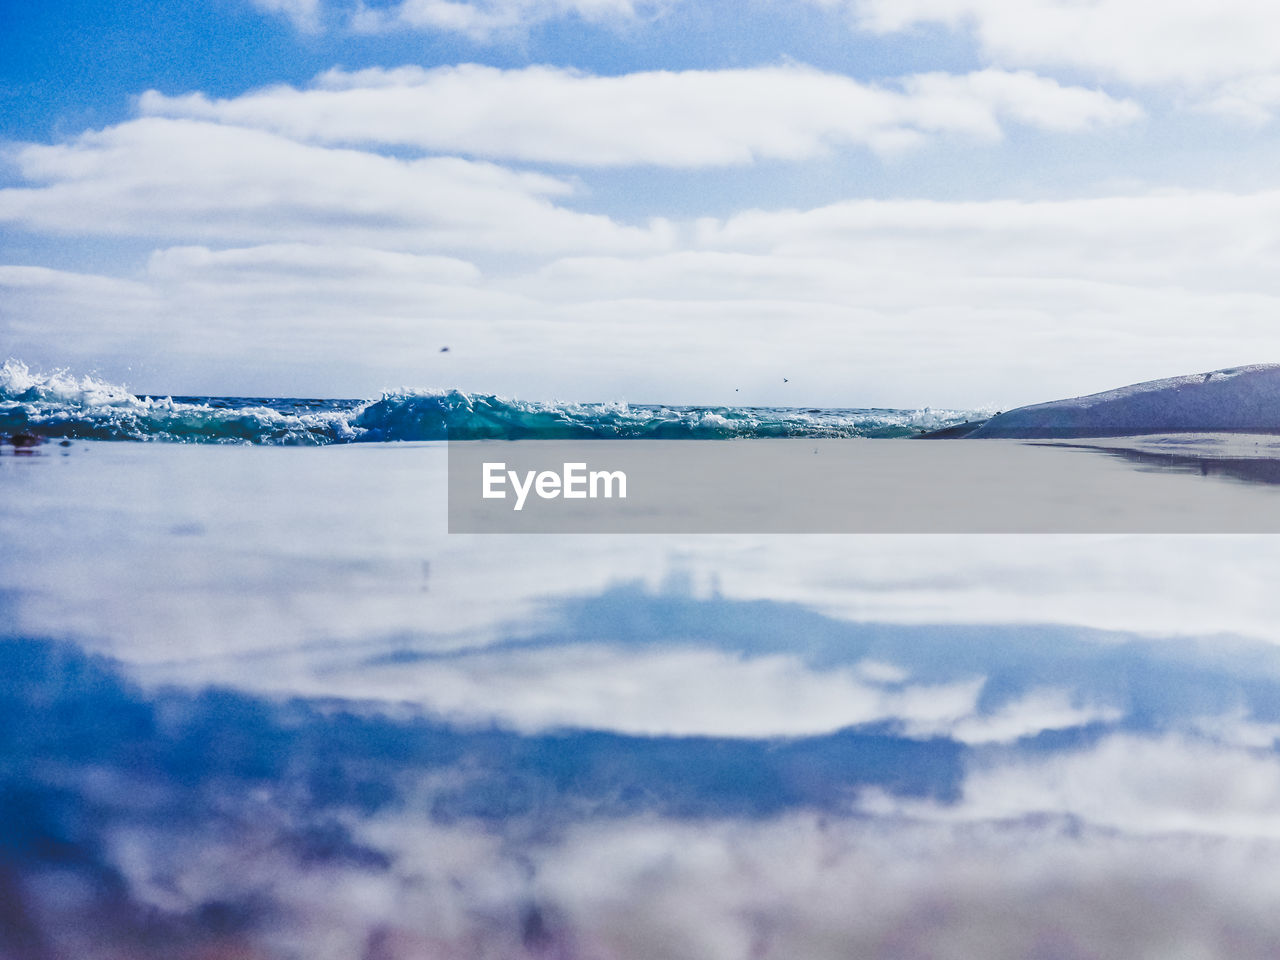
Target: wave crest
[(60, 404)]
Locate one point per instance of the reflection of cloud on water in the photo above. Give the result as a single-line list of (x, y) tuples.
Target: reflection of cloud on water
[(1072, 795), (1139, 785), (632, 660), (198, 826), (674, 691), (111, 572), (1039, 711), (803, 887)]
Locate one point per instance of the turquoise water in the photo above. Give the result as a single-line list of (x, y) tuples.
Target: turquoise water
[(60, 405)]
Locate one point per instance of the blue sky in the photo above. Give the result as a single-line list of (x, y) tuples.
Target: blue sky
[(946, 202)]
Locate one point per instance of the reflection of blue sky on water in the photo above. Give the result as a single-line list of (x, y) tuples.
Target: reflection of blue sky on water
[(1026, 789), (239, 722)]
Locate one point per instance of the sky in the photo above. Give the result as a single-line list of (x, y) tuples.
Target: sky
[(955, 203)]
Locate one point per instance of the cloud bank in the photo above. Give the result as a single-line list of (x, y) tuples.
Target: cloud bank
[(485, 21), (688, 119), (158, 177), (1209, 57), (1184, 42)]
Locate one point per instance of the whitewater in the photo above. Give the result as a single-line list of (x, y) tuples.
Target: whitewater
[(62, 405)]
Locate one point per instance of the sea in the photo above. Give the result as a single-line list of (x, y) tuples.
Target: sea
[(257, 701), (64, 406)]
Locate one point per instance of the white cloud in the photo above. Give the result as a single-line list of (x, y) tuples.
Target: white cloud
[(1221, 57), (1021, 97), (696, 118), (303, 14), (40, 303), (1088, 292), (186, 179), (19, 280), (1010, 301), (1178, 41), (484, 20), (311, 304), (1040, 298), (1253, 99), (294, 308), (321, 268), (1204, 241)]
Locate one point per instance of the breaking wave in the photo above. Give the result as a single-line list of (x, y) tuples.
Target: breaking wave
[(60, 404)]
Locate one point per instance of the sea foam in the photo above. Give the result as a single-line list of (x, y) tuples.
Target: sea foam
[(60, 404)]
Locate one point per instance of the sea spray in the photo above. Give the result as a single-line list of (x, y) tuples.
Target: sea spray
[(60, 404)]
